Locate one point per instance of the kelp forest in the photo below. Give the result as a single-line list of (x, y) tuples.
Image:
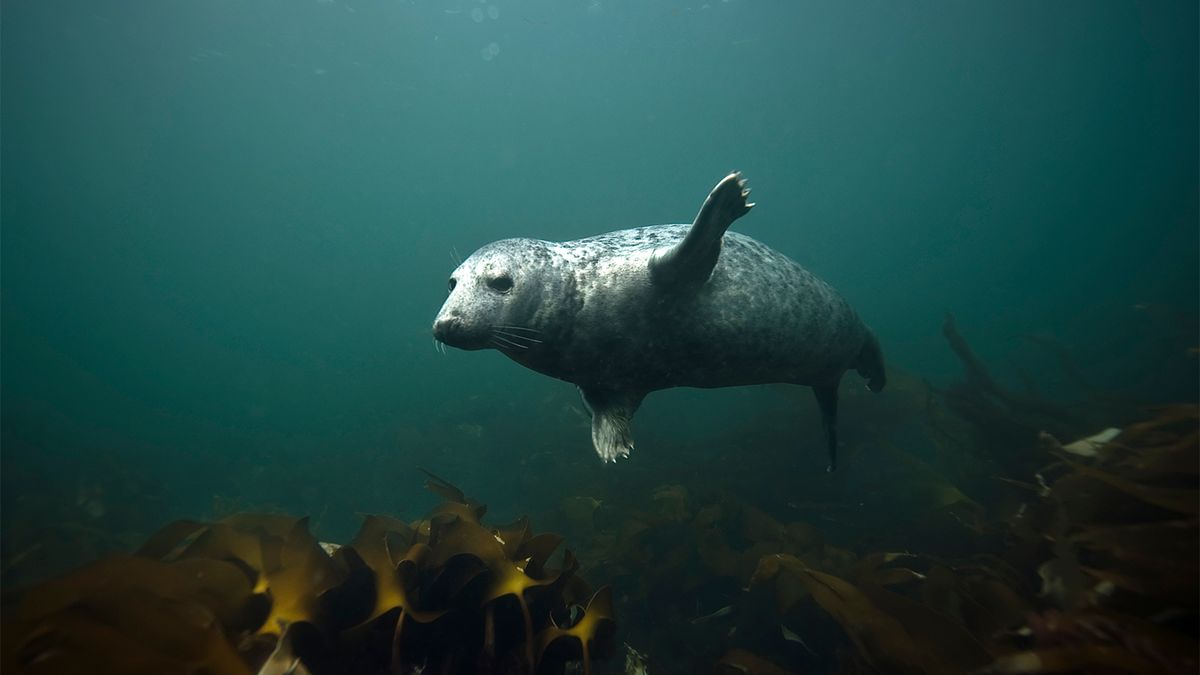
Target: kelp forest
[(974, 527)]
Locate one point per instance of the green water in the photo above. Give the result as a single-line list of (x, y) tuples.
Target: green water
[(227, 225)]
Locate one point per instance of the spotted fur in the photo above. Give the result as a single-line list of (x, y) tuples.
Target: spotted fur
[(604, 322)]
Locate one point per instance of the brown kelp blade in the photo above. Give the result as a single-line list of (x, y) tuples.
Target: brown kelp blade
[(742, 662), (171, 539), (220, 585), (879, 637), (537, 551), (442, 487), (283, 660), (306, 571), (512, 536), (1179, 500), (128, 614), (594, 629), (1073, 659)]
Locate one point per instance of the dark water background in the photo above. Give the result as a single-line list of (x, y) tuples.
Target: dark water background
[(227, 225)]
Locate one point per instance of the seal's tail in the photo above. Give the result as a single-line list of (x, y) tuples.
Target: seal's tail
[(870, 363)]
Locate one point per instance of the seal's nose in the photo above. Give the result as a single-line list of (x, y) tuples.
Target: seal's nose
[(445, 327)]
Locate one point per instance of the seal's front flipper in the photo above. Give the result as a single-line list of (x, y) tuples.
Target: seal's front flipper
[(827, 399), (691, 261), (612, 415)]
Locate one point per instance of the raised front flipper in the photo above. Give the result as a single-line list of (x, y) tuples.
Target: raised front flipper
[(691, 261), (612, 416)]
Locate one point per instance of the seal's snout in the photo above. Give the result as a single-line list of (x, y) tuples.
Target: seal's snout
[(445, 328), (454, 331)]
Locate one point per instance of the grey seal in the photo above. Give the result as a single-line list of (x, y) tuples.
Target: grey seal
[(629, 312)]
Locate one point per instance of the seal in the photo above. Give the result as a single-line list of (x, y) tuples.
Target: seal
[(629, 312)]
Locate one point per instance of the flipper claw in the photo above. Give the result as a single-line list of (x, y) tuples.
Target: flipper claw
[(612, 416), (691, 261)]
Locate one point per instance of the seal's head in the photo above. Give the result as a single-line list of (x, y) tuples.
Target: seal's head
[(493, 298)]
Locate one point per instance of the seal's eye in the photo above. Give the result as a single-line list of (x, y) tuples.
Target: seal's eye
[(502, 283), (452, 283)]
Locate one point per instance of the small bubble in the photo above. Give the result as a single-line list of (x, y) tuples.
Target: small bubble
[(486, 54), (477, 15), (494, 48), (493, 12)]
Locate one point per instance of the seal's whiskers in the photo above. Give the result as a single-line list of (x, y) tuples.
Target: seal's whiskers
[(497, 339), (516, 336), (495, 342), (528, 330)]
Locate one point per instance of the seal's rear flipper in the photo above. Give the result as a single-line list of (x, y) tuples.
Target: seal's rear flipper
[(870, 364), (612, 415), (827, 399), (691, 261)]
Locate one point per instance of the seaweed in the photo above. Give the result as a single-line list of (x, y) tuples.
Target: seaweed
[(1126, 538), (260, 593), (1030, 555), (1006, 422), (1118, 588), (963, 537)]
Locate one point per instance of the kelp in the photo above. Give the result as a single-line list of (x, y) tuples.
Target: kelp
[(127, 614), (594, 628), (259, 593), (1089, 567), (1003, 420), (1134, 568), (681, 556), (900, 612), (1118, 588), (878, 637), (742, 662), (963, 537)]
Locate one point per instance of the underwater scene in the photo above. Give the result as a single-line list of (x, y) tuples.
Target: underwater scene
[(641, 337)]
